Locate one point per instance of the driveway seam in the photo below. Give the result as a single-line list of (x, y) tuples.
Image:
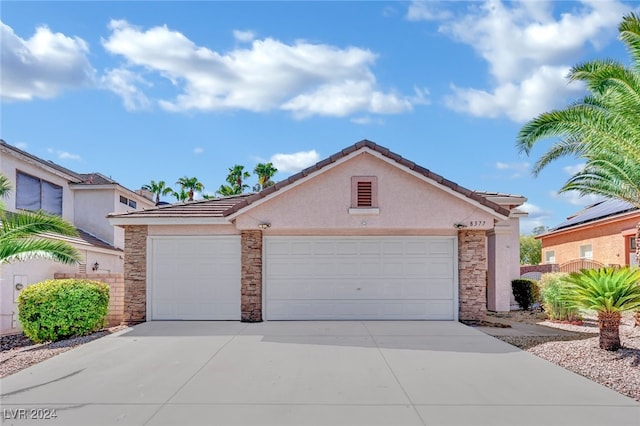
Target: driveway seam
[(413, 405), (194, 374)]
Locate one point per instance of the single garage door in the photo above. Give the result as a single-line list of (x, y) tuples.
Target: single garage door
[(347, 278), (194, 278)]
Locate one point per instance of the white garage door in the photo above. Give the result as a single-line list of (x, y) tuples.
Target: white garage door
[(194, 278), (360, 278)]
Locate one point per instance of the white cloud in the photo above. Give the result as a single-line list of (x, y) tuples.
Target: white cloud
[(572, 170), (43, 65), (423, 11), (303, 78), (517, 170), (64, 155), (244, 36), (198, 150), (294, 162), (528, 51), (22, 145), (366, 119), (574, 198), (537, 217), (123, 83)]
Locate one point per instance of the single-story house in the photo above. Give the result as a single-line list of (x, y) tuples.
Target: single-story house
[(363, 234), (604, 232)]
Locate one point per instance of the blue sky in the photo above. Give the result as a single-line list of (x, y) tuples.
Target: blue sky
[(159, 90)]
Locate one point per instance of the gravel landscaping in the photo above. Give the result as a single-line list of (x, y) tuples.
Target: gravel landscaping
[(579, 353), (19, 352), (618, 370)]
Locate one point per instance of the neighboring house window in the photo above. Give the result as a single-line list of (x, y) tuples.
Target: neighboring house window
[(586, 251), (124, 200), (364, 192), (34, 194), (632, 243), (550, 256)]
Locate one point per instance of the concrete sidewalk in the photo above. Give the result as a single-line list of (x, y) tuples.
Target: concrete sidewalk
[(307, 373)]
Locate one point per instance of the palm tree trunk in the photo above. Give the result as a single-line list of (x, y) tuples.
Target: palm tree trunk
[(609, 324)]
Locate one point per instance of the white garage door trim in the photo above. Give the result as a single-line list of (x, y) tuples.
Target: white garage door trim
[(207, 258), (398, 306)]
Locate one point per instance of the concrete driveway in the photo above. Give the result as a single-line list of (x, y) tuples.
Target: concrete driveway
[(307, 373)]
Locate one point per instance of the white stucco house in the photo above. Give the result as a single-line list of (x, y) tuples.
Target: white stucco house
[(363, 234), (83, 200)]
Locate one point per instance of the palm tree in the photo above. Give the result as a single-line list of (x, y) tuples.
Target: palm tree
[(235, 179), (181, 196), (602, 128), (21, 234), (609, 292), (265, 172), (190, 184), (158, 188)]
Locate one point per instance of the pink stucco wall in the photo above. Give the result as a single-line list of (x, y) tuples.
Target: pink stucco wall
[(406, 204)]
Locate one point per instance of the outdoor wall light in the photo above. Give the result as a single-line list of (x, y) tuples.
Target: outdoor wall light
[(95, 266), (264, 225)]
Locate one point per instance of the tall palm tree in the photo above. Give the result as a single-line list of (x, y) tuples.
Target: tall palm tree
[(191, 185), (603, 128), (235, 180), (21, 234), (609, 292), (158, 188), (265, 172)]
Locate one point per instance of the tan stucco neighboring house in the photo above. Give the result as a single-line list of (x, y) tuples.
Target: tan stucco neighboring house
[(363, 234), (604, 232), (83, 200)]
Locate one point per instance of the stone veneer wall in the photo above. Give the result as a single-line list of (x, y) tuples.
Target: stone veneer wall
[(251, 276), (547, 267), (116, 292), (135, 274), (472, 274)]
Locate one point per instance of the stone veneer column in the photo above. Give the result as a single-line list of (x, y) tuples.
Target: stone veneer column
[(472, 274), (135, 274), (251, 278)]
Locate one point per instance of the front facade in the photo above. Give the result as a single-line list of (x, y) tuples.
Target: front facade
[(364, 234), (604, 232), (81, 199)]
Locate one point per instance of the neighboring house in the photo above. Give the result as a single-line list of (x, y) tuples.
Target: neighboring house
[(604, 232), (363, 234), (83, 200)]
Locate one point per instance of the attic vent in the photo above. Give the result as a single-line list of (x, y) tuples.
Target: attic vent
[(82, 268), (365, 194)]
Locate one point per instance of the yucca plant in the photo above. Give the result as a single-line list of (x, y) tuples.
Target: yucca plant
[(609, 292)]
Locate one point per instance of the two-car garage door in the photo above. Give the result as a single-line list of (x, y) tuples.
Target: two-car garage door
[(305, 278), (360, 278)]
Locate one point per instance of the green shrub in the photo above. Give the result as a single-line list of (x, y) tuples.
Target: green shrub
[(57, 309), (554, 300), (523, 291)]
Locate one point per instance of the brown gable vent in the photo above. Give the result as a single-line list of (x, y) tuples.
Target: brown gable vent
[(365, 194)]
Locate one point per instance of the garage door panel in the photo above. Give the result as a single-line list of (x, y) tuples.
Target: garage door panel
[(195, 278), (360, 278)]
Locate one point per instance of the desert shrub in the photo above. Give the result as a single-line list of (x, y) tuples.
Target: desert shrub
[(554, 300), (523, 291), (57, 309)]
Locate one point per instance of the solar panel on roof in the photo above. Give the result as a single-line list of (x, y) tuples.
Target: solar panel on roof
[(597, 211)]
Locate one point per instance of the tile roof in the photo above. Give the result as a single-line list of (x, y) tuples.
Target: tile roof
[(477, 197), (215, 207), (222, 207), (96, 179), (51, 164), (595, 212)]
